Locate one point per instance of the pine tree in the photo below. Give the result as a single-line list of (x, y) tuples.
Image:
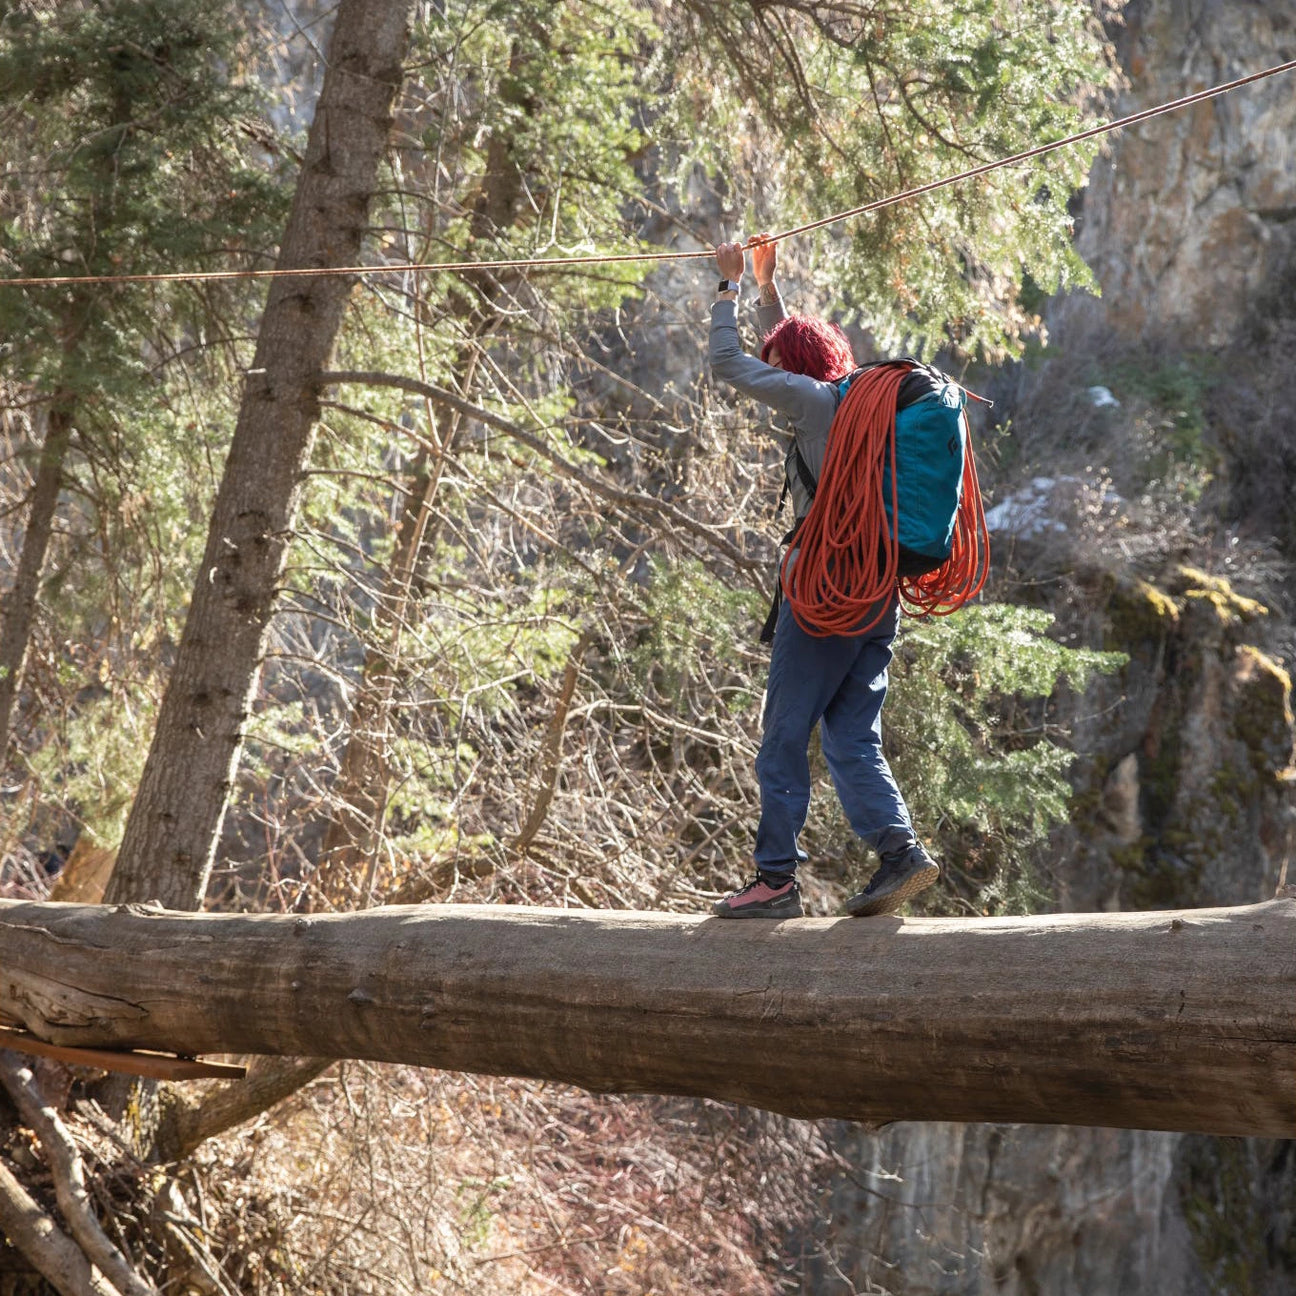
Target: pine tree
[(119, 117)]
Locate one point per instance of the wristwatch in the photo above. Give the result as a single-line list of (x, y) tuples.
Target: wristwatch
[(728, 285)]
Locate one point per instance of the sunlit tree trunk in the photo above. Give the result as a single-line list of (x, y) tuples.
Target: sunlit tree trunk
[(171, 835), (352, 838), (18, 607)]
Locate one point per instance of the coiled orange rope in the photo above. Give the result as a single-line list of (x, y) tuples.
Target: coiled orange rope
[(847, 552)]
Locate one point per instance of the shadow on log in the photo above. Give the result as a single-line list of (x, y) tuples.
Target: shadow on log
[(1169, 1020)]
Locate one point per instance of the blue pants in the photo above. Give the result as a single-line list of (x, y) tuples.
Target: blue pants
[(838, 683)]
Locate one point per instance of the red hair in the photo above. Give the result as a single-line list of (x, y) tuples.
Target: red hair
[(810, 346)]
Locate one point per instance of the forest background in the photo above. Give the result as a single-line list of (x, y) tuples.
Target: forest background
[(497, 641)]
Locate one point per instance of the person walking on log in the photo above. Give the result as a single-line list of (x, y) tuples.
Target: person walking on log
[(838, 682)]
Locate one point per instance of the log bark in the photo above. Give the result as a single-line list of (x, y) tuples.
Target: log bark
[(1171, 1020), (175, 821)]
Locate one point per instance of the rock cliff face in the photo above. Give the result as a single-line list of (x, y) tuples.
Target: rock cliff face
[(1017, 1210), (1186, 796), (1185, 787), (1193, 214), (1022, 1211)]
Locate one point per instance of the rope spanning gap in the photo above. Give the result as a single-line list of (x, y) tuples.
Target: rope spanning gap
[(1017, 158), (553, 263)]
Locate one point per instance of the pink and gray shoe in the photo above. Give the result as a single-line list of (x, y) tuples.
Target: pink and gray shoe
[(762, 898)]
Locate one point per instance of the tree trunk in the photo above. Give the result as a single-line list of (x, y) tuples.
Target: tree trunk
[(1181, 1021), (352, 838), (171, 835), (18, 607)]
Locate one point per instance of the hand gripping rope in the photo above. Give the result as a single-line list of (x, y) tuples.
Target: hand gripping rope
[(846, 556)]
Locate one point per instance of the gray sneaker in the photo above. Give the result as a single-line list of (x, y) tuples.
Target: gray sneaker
[(900, 876)]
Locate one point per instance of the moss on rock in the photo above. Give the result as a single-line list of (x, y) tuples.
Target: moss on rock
[(1139, 617), (1216, 744), (1201, 587), (1217, 1193), (1261, 712)]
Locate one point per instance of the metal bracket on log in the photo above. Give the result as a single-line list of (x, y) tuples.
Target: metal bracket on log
[(154, 1066)]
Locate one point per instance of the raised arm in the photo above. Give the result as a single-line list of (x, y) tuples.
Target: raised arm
[(810, 404), (769, 302)]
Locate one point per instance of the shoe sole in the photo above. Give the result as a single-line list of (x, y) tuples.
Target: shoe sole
[(748, 912), (889, 903)]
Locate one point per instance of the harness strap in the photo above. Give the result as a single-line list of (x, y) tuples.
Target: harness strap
[(767, 630)]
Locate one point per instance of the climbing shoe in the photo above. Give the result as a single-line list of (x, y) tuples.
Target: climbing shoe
[(900, 876), (762, 898)]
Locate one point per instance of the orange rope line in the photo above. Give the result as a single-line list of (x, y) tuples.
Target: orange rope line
[(550, 263)]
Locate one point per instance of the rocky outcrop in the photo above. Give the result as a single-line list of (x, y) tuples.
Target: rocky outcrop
[(1009, 1211), (946, 1210), (1188, 783), (1191, 215)]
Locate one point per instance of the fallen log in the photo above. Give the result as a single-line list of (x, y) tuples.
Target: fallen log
[(1179, 1020)]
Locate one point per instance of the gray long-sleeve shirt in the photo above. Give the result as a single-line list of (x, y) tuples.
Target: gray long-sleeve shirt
[(808, 404)]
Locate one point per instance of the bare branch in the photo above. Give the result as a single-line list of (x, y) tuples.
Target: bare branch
[(49, 1250), (632, 499), (551, 756), (69, 1179), (269, 1081)]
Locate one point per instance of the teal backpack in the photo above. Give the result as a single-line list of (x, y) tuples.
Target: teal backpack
[(931, 448)]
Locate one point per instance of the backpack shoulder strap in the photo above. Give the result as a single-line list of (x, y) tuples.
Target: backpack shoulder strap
[(808, 479), (927, 377)]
